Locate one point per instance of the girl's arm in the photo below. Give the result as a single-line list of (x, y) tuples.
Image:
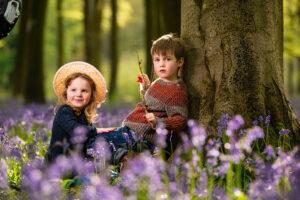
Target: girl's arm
[(69, 123)]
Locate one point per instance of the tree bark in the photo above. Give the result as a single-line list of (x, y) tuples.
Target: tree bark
[(160, 20), (235, 60), (114, 49), (60, 33), (92, 26), (19, 72), (34, 82)]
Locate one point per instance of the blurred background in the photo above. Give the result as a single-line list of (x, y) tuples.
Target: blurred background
[(109, 34)]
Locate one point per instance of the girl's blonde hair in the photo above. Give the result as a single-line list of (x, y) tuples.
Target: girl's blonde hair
[(90, 110)]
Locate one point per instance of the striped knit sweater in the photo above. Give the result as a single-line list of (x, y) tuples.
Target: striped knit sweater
[(168, 102)]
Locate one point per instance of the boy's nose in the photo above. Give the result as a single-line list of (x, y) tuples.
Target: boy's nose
[(162, 63)]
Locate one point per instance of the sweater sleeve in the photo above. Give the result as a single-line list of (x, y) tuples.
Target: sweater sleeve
[(67, 120), (176, 110)]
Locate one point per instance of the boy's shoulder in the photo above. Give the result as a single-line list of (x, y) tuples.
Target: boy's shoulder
[(170, 87)]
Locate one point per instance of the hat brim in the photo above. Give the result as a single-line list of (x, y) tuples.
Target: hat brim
[(79, 67)]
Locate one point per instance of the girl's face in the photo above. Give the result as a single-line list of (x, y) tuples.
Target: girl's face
[(166, 66), (79, 93)]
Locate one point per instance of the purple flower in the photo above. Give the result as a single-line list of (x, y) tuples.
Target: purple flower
[(223, 168), (222, 123), (268, 120), (235, 123), (3, 174), (127, 139), (269, 151), (101, 149), (79, 135), (284, 131), (161, 135), (16, 152), (198, 134), (2, 133)]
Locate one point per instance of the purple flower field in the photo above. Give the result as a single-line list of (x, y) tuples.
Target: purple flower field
[(236, 163)]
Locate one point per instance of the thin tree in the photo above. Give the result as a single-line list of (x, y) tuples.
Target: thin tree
[(34, 81), (114, 49), (159, 20), (92, 30), (60, 33), (19, 72), (235, 60)]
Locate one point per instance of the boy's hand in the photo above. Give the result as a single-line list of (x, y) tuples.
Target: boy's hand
[(151, 118), (105, 130), (143, 79)]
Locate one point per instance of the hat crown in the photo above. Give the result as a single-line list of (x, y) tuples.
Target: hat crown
[(79, 67)]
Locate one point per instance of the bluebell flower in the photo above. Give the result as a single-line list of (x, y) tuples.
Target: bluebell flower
[(3, 174), (284, 131), (235, 123)]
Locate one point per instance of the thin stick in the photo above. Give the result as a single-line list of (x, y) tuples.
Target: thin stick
[(141, 92)]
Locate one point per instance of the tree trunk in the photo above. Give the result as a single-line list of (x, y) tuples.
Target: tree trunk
[(159, 21), (60, 33), (152, 29), (34, 82), (92, 26), (235, 60), (19, 72), (114, 49)]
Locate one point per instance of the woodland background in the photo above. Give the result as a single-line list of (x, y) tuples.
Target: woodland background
[(109, 34)]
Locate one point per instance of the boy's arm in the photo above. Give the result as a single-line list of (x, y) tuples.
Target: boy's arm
[(175, 122)]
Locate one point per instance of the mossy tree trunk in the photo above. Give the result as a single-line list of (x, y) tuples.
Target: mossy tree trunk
[(235, 60)]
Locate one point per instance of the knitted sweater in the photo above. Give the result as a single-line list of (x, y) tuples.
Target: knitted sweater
[(168, 102)]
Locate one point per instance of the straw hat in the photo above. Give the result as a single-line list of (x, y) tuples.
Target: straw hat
[(79, 67)]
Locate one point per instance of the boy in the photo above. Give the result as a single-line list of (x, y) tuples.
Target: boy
[(165, 101)]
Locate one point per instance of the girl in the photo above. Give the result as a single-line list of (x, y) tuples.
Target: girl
[(80, 88)]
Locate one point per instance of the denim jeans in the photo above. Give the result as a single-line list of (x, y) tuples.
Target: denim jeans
[(121, 141)]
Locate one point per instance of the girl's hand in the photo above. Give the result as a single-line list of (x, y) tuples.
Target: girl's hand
[(105, 130), (151, 118)]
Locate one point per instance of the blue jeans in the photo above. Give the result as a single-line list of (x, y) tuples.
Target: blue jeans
[(121, 141)]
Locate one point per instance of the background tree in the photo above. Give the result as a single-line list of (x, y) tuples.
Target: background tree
[(60, 33), (92, 30), (235, 60), (34, 82), (113, 49), (19, 71), (161, 17)]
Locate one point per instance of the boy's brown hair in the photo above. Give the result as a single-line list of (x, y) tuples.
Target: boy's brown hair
[(169, 43)]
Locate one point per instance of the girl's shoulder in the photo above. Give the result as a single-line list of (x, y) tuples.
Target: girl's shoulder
[(64, 108)]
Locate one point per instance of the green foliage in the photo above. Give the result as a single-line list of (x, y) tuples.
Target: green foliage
[(291, 10)]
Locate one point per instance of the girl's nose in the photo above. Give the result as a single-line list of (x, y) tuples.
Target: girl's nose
[(79, 93)]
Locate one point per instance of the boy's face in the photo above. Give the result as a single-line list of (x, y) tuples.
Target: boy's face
[(166, 66), (79, 93)]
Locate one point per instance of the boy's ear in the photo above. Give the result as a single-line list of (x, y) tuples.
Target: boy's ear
[(180, 62)]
